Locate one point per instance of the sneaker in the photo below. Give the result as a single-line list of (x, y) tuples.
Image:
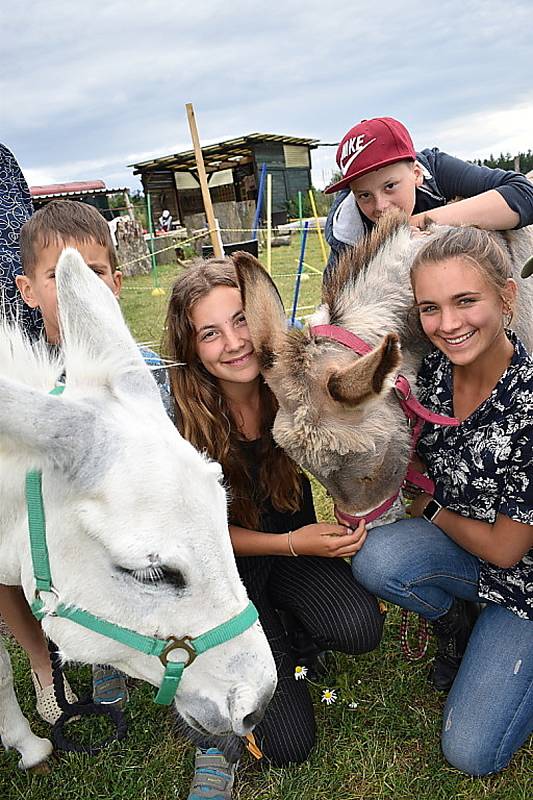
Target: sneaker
[(109, 686), (453, 631), (213, 776), (46, 705)]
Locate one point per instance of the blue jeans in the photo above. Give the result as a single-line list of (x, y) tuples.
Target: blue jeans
[(489, 711)]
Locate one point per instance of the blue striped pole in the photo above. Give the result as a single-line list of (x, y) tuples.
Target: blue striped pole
[(259, 204), (299, 273)]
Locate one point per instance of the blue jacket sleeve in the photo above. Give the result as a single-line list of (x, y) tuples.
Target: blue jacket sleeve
[(160, 375), (457, 178)]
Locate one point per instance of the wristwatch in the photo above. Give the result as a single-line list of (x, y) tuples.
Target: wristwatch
[(431, 510)]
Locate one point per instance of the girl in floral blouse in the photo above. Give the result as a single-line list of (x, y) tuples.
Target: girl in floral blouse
[(473, 540)]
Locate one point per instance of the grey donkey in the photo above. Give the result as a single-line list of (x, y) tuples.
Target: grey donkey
[(339, 416)]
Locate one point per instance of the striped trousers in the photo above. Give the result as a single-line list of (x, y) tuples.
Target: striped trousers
[(337, 613)]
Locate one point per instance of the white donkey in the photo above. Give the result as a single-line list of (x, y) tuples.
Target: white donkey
[(339, 416), (136, 525)]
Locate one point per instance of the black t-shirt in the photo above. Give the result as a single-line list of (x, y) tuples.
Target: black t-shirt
[(255, 570)]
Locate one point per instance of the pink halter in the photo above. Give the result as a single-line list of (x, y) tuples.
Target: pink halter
[(414, 411)]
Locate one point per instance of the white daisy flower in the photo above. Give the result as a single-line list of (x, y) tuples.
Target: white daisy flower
[(329, 696), (300, 672)]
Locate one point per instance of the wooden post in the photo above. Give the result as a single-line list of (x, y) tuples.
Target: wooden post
[(214, 231), (269, 223), (129, 205), (318, 228)]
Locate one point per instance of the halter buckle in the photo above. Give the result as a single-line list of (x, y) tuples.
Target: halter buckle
[(37, 598), (399, 393), (179, 644)]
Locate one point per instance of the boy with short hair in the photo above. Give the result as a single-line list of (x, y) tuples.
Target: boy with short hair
[(60, 224), (381, 169), (69, 223)]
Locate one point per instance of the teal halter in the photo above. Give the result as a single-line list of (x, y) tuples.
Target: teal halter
[(145, 644)]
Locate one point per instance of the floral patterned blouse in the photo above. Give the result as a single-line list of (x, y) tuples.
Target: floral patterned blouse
[(15, 208), (484, 467)]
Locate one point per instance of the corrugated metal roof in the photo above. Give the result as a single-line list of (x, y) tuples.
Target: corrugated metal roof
[(66, 188), (228, 149), (75, 189)]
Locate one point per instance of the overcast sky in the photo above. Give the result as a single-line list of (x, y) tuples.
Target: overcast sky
[(88, 88)]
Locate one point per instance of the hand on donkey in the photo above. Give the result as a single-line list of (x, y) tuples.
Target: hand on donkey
[(328, 541)]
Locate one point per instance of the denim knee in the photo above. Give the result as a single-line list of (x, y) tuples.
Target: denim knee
[(369, 568), (471, 757)]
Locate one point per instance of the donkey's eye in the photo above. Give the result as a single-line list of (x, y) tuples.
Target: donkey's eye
[(157, 576), (150, 574)]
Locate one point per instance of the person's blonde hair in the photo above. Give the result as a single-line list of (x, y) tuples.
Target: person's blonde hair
[(476, 246), (203, 414)]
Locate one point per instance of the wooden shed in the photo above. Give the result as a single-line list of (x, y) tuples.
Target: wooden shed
[(233, 167)]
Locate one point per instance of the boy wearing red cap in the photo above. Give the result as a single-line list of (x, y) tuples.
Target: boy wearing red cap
[(380, 169)]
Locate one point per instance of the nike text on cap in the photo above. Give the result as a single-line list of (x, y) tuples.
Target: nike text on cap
[(370, 145)]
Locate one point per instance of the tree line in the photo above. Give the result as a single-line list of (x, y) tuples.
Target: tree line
[(507, 161)]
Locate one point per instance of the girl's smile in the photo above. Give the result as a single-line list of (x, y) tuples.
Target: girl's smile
[(458, 341), (241, 360)]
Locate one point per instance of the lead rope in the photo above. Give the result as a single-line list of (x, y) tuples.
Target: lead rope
[(422, 636), (83, 708)]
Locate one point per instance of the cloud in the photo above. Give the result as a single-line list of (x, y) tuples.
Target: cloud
[(88, 89)]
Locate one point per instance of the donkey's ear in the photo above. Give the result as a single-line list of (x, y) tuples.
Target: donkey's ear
[(66, 434), (264, 310), (99, 349), (370, 376)]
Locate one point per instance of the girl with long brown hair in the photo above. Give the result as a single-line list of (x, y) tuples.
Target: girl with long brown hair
[(289, 563)]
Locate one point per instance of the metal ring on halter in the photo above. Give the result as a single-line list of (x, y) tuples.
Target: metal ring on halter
[(51, 590), (179, 644)]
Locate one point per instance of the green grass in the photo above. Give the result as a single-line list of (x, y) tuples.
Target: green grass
[(146, 314), (387, 749)]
